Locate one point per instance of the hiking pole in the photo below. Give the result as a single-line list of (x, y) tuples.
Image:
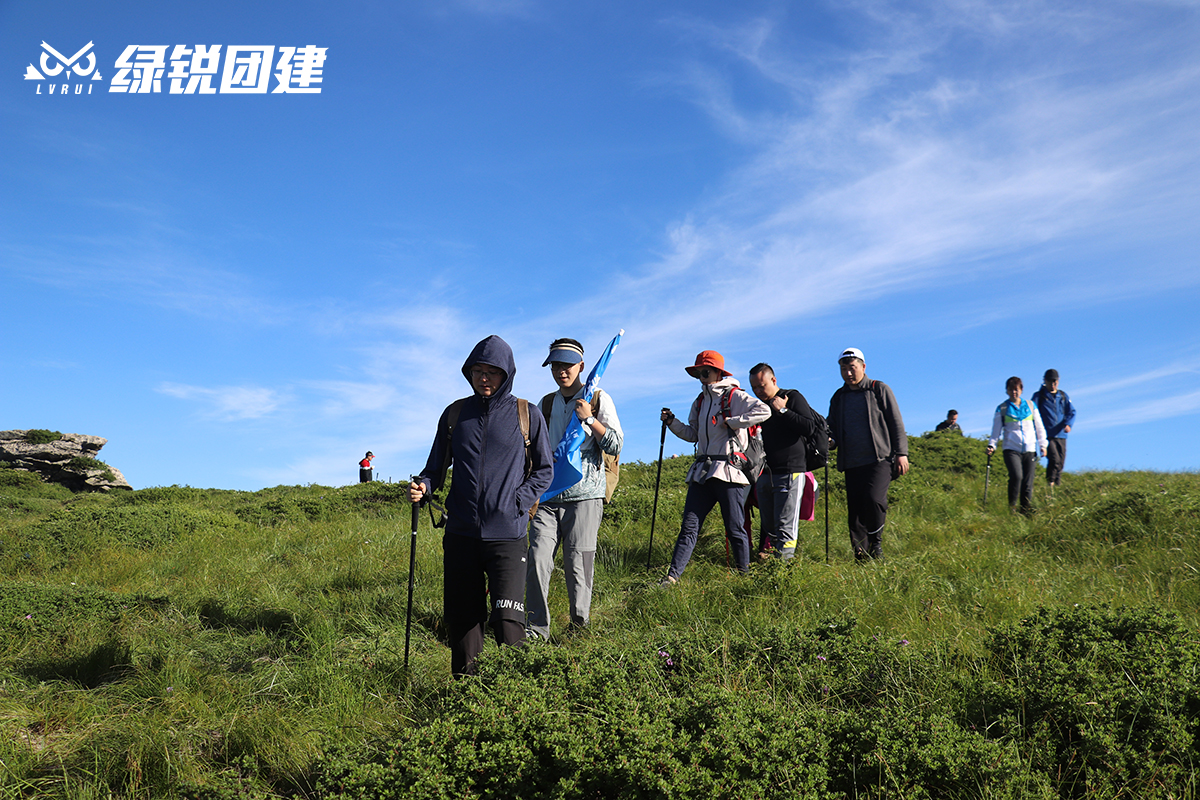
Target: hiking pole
[(412, 561), (986, 476), (662, 440), (827, 512)]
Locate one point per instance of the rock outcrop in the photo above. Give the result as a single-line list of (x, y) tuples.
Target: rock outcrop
[(67, 458)]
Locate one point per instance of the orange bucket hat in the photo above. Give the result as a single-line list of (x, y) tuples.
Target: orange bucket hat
[(708, 358)]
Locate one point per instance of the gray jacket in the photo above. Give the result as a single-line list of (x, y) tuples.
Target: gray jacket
[(883, 416)]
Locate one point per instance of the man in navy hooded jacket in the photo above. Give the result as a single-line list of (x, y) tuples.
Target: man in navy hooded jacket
[(487, 509)]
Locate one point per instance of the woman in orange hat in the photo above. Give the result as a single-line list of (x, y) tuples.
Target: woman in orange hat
[(718, 424)]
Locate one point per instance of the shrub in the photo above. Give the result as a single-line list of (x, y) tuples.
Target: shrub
[(20, 479), (1105, 700), (704, 716), (947, 452), (42, 436), (86, 464)]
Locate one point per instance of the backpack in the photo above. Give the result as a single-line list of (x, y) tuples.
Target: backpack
[(612, 464), (752, 460), (816, 447), (452, 415)]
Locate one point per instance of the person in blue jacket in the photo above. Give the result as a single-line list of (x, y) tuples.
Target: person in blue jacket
[(1058, 415), (497, 480)]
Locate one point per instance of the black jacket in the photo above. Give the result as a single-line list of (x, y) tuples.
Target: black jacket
[(785, 432), (490, 494)]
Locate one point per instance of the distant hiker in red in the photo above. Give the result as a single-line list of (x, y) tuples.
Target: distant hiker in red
[(365, 474)]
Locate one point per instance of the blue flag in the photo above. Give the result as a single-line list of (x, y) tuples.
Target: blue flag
[(568, 466)]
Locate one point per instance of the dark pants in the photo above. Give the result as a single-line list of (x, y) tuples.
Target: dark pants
[(866, 508), (472, 568), (364, 475), (1056, 456), (701, 498), (1020, 468)]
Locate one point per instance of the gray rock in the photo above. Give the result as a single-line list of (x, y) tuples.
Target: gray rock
[(59, 461)]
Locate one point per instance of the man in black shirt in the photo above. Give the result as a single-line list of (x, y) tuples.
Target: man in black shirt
[(780, 487), (950, 423)]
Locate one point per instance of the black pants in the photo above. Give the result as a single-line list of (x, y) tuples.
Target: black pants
[(1021, 467), (866, 508), (1056, 456), (473, 568), (364, 475)]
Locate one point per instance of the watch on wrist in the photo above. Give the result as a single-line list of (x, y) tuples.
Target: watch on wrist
[(589, 421)]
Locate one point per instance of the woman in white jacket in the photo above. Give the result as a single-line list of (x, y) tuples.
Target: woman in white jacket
[(717, 424), (1024, 440)]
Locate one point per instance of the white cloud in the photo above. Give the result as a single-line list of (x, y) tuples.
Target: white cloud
[(954, 134), (227, 403), (1149, 411)]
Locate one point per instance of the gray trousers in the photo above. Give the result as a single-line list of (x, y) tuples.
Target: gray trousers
[(575, 527), (779, 498)]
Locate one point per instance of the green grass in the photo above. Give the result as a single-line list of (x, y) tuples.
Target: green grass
[(181, 642)]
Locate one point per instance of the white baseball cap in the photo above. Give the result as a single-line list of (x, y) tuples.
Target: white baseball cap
[(852, 352)]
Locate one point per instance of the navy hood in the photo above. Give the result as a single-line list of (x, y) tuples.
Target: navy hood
[(495, 352)]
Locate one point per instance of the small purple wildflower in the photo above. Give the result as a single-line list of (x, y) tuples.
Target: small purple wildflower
[(903, 642), (822, 658), (824, 690), (29, 616)]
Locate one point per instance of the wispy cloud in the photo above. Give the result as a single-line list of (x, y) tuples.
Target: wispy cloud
[(952, 134), (1161, 393), (1149, 411), (228, 403)]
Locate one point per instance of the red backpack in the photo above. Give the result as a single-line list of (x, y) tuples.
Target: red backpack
[(751, 460)]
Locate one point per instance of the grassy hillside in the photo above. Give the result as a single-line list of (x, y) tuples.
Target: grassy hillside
[(181, 642)]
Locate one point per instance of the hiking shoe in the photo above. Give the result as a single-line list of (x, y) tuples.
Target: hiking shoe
[(667, 582)]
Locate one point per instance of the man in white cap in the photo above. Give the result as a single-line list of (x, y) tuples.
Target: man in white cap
[(872, 448), (570, 519)]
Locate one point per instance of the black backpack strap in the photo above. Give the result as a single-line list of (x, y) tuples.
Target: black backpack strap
[(433, 505), (452, 415), (547, 405)]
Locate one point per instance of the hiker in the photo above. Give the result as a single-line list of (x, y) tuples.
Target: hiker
[(781, 485), (1058, 415), (950, 423), (1024, 435), (502, 464), (866, 428), (717, 423), (365, 474), (570, 519)]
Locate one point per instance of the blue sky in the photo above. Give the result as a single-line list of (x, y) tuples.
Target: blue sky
[(241, 291)]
